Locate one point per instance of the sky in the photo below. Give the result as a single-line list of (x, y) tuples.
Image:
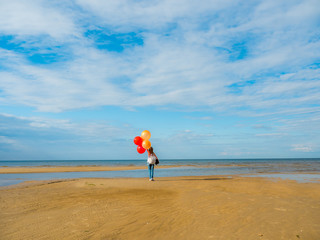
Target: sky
[(213, 79)]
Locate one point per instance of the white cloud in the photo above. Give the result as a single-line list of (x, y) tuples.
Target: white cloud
[(7, 140), (94, 130), (186, 58), (236, 153), (47, 138), (261, 126), (270, 134), (38, 17), (190, 136), (301, 148), (85, 82), (204, 118), (128, 15)]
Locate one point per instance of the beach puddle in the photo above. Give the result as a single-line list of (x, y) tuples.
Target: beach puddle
[(302, 178)]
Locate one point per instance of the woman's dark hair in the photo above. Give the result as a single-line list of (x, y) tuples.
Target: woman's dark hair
[(150, 150)]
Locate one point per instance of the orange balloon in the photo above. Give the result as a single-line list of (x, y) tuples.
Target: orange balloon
[(146, 144), (145, 135)]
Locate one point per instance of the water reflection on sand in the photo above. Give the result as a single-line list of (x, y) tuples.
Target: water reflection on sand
[(302, 172)]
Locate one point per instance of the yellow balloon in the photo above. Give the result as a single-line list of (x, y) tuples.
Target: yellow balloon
[(146, 144), (145, 135)]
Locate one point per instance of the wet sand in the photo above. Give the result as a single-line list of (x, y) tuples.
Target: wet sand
[(74, 169), (213, 207)]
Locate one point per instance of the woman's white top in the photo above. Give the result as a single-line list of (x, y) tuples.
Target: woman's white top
[(152, 159)]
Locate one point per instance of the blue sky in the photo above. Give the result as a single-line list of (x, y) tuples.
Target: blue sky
[(216, 79)]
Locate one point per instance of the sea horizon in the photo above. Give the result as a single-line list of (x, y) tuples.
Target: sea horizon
[(262, 158)]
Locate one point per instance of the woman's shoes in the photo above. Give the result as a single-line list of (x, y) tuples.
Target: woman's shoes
[(151, 179)]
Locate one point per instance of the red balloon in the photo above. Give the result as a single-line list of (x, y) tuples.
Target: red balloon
[(140, 149), (138, 140)]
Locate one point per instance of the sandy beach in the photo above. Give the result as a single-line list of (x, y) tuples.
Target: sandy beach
[(214, 207)]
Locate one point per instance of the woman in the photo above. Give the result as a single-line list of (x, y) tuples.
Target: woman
[(151, 161)]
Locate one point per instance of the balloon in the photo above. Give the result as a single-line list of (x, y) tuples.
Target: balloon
[(145, 135), (140, 149), (137, 140), (146, 144)]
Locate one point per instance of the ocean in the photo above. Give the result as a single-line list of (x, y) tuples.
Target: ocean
[(299, 169)]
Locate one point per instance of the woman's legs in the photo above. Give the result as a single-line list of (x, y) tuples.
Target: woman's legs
[(149, 166), (151, 170)]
